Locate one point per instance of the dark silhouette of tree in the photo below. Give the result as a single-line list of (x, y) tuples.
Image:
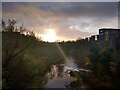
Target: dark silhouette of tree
[(15, 45), (12, 47)]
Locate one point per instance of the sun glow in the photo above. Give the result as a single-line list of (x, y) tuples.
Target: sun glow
[(50, 36)]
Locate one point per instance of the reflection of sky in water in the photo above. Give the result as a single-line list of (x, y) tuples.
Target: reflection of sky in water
[(57, 79), (59, 82)]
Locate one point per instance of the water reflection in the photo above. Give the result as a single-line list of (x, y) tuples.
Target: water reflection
[(59, 76), (63, 75)]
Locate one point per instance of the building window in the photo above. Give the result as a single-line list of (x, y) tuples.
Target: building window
[(100, 31), (106, 36), (96, 38)]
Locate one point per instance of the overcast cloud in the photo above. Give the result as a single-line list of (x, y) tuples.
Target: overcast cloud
[(70, 19)]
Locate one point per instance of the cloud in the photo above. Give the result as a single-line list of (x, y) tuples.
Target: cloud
[(88, 16), (64, 9)]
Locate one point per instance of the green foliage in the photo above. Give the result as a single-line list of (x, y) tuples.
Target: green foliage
[(100, 59), (17, 74), (25, 59), (104, 63), (80, 76)]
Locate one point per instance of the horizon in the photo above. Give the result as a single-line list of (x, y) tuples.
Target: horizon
[(78, 38)]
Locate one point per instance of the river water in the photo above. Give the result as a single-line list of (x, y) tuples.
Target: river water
[(59, 77)]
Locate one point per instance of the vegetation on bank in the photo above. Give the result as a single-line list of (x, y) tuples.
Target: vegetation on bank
[(104, 62), (25, 59)]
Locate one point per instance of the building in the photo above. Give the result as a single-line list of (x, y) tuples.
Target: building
[(87, 39), (94, 38), (110, 35)]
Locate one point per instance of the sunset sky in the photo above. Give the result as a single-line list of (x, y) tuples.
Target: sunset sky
[(63, 20)]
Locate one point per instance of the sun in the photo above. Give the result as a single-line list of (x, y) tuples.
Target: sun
[(50, 36)]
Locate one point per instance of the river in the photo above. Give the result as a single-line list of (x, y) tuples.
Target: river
[(59, 77)]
